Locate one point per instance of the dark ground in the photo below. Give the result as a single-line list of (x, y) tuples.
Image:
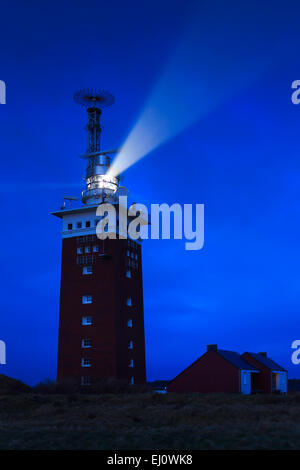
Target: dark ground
[(149, 421)]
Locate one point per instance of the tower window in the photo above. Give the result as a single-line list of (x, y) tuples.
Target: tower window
[(79, 224), (128, 273), (88, 224), (70, 226), (85, 380), (130, 345), (87, 249), (86, 362), (79, 250), (129, 322), (130, 363), (87, 299), (86, 343), (88, 259), (95, 248), (87, 270), (131, 380), (86, 321), (129, 302)]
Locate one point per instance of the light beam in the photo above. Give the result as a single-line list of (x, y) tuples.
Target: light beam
[(203, 72)]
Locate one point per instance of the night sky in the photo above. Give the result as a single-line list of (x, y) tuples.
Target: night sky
[(233, 63)]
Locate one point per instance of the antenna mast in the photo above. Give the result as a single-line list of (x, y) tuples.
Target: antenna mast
[(98, 185)]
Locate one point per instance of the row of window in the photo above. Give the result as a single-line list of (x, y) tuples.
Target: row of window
[(132, 264), (88, 320), (132, 255), (88, 223), (87, 362), (86, 239), (87, 343), (86, 259), (87, 249), (79, 225), (86, 380), (88, 299), (89, 270)]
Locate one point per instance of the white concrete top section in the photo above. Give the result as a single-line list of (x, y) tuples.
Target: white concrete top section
[(78, 222)]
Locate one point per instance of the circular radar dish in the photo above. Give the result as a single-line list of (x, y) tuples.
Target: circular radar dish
[(94, 98)]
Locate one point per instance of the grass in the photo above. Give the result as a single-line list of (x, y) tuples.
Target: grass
[(149, 421)]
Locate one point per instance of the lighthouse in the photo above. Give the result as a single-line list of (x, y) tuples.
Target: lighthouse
[(101, 318)]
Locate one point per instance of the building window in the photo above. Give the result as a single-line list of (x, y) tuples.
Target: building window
[(87, 260), (88, 224), (130, 363), (132, 255), (79, 250), (128, 253), (95, 248), (87, 249), (86, 320), (129, 322), (86, 362), (245, 378), (87, 299), (136, 256), (86, 343), (85, 380), (87, 270), (131, 380), (129, 302), (130, 345), (128, 273), (79, 224), (70, 226), (86, 239)]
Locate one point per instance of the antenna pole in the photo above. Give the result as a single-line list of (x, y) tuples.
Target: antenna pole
[(94, 129), (98, 184)]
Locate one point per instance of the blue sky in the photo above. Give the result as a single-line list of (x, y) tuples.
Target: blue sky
[(233, 62)]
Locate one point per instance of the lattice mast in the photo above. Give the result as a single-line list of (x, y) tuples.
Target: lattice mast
[(98, 186)]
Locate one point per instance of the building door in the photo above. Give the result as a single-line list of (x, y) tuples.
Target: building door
[(245, 382)]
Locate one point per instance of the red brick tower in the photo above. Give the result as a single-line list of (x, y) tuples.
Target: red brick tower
[(101, 320)]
